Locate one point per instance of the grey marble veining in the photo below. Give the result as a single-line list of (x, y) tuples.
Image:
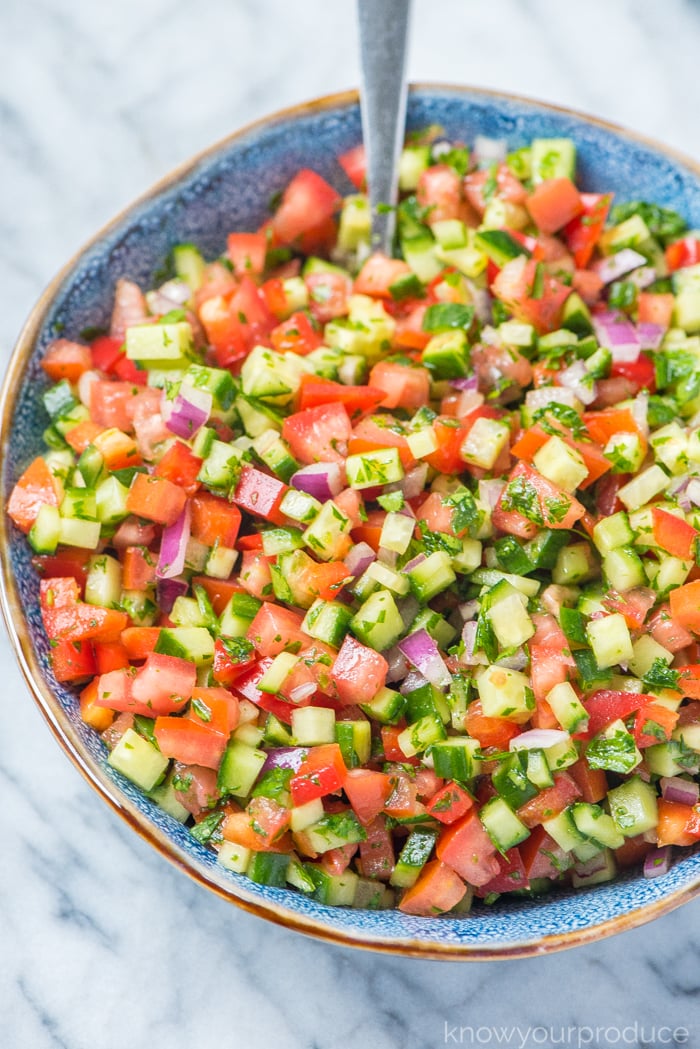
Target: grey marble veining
[(102, 943)]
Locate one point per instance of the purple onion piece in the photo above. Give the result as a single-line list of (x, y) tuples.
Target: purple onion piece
[(657, 862), (398, 667), (173, 544), (284, 758), (412, 681), (359, 558), (650, 335), (539, 737), (470, 383), (167, 590), (414, 562), (321, 480), (683, 791), (189, 410), (422, 652), (615, 266)]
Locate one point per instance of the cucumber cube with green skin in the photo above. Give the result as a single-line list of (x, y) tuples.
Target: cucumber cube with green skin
[(387, 577), (413, 857), (432, 576), (564, 831), (74, 532), (623, 569), (217, 381), (240, 767), (333, 890), (103, 584), (456, 758), (378, 622), (552, 158), (596, 825), (312, 726), (281, 540), (334, 830), (256, 416), (165, 797), (633, 807), (268, 868), (613, 749), (426, 699), (605, 873), (504, 692), (326, 533), (387, 707), (511, 782), (485, 442), (538, 770), (355, 741), (502, 825), (274, 452), (46, 530), (371, 469), (327, 621), (270, 376), (576, 316), (219, 470), (59, 399), (447, 355), (438, 627), (355, 223), (91, 466), (78, 414), (193, 643), (138, 760), (234, 857), (669, 759), (279, 670), (561, 464), (610, 640), (412, 163), (160, 343), (567, 707), (79, 503), (421, 734), (499, 245), (510, 621), (300, 506)]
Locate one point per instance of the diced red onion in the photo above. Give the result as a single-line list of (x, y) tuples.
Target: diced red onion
[(677, 488), (469, 610), (620, 337), (414, 562), (284, 758), (408, 607), (359, 558), (398, 667), (387, 557), (693, 491), (642, 277), (517, 661), (489, 150), (539, 738), (170, 296), (650, 335), (615, 266), (173, 544), (414, 679), (593, 866), (321, 480), (420, 649), (85, 386), (490, 491), (481, 301), (471, 382), (576, 378), (657, 862), (674, 788), (469, 656), (167, 592), (302, 692), (188, 411), (414, 481), (640, 411)]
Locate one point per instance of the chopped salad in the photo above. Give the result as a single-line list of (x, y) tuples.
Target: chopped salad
[(382, 573)]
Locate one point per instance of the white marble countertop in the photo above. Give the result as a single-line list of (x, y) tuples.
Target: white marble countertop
[(102, 943)]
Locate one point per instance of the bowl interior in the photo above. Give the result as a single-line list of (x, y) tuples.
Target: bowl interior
[(230, 187)]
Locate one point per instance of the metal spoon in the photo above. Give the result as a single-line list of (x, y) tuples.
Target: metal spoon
[(383, 28)]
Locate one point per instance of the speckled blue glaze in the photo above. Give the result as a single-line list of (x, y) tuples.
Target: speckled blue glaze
[(229, 188)]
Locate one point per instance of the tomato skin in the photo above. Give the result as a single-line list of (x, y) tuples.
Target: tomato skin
[(685, 605), (225, 669), (275, 629), (156, 499), (65, 618), (105, 352), (139, 641), (673, 534), (677, 824), (377, 275), (437, 889), (96, 717), (181, 466), (314, 434), (307, 202), (357, 400), (655, 308), (214, 520), (66, 360), (467, 849), (321, 772), (354, 163), (554, 203), (514, 285), (511, 875), (583, 232), (72, 660), (607, 705), (367, 791), (663, 720), (110, 655), (377, 858), (550, 801), (403, 386), (247, 253), (191, 743), (490, 732), (358, 672), (450, 803), (34, 489), (297, 334), (65, 562), (640, 373), (260, 494), (683, 252)]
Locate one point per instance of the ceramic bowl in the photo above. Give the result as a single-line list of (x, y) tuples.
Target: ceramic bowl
[(226, 188)]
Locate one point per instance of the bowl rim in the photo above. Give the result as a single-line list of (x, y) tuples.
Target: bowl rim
[(46, 700)]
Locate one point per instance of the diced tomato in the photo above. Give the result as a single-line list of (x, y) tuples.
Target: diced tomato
[(437, 889), (409, 333), (215, 707), (243, 829), (77, 621), (358, 672), (328, 295), (490, 732), (139, 641), (66, 360), (685, 605), (592, 783), (450, 803), (607, 705), (118, 449), (674, 534), (72, 660), (318, 434), (354, 164), (214, 520), (269, 818), (110, 655), (247, 253), (255, 576), (683, 252), (546, 504), (403, 386), (325, 580), (550, 801), (69, 561), (378, 274), (105, 352), (156, 499), (219, 591), (508, 187), (235, 323), (96, 717), (640, 373), (230, 661), (164, 683), (533, 295), (440, 191), (276, 629), (260, 494), (377, 859), (655, 308), (181, 466), (467, 849), (380, 431), (321, 772), (677, 824), (296, 334), (189, 742), (36, 487), (81, 436), (531, 440), (583, 232), (511, 875), (632, 851), (390, 745), (541, 856), (553, 203), (357, 400), (197, 789), (367, 791), (336, 861), (307, 200), (450, 435), (654, 723), (664, 629)]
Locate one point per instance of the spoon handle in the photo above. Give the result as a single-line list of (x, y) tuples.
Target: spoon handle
[(383, 28)]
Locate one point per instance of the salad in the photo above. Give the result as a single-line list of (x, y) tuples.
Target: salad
[(382, 574)]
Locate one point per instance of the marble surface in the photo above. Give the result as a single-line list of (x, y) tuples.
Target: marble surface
[(102, 943)]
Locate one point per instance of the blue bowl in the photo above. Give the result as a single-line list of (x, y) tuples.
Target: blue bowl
[(227, 188)]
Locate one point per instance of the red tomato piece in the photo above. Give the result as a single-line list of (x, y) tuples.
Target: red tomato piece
[(180, 465), (655, 308), (358, 672), (66, 360), (328, 295), (592, 783), (677, 824), (189, 742), (357, 400), (72, 660), (354, 164), (35, 488), (511, 875), (583, 232), (550, 801), (437, 889), (321, 772), (553, 203), (403, 385), (450, 803), (297, 334), (276, 629), (490, 732), (214, 520), (377, 275), (65, 562), (367, 791), (377, 859), (139, 641), (110, 655), (640, 373), (533, 295), (673, 534), (318, 434), (156, 499), (164, 683), (653, 724), (260, 494), (105, 352), (685, 605), (467, 849), (247, 253), (230, 661), (683, 252), (607, 705), (307, 200)]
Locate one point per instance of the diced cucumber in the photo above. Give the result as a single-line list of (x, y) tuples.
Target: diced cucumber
[(456, 758), (502, 825), (612, 532), (426, 699), (606, 872), (510, 621), (438, 627), (193, 643), (370, 469), (333, 890), (413, 857), (312, 726), (334, 830), (499, 245), (103, 584), (538, 770), (74, 532), (46, 530), (355, 741), (274, 452), (397, 532), (270, 376), (561, 755), (240, 767), (623, 569), (327, 621), (220, 469), (234, 857), (646, 652), (303, 816), (299, 506), (161, 344), (326, 533), (552, 158), (277, 673), (268, 868), (485, 442), (511, 781), (256, 416), (447, 355), (421, 734), (387, 707), (504, 692), (564, 830), (633, 807), (378, 622), (609, 637), (596, 825), (220, 561), (432, 576), (138, 760), (567, 707), (389, 578), (355, 222), (165, 797), (643, 487), (574, 564)]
